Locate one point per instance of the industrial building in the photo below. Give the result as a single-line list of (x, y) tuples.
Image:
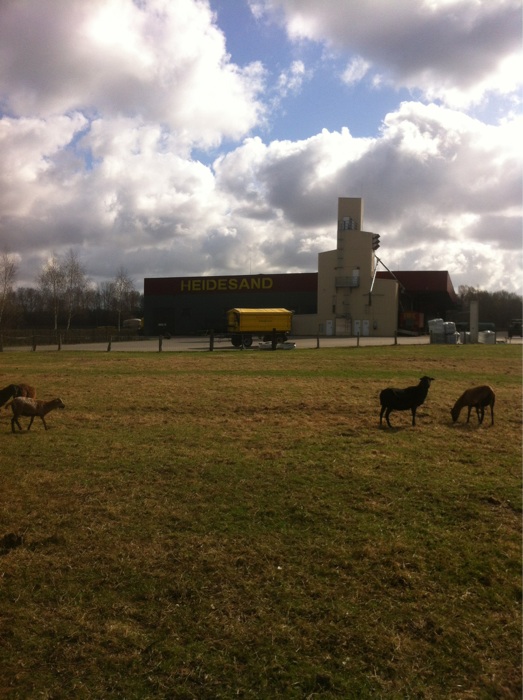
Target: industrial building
[(347, 296), (422, 296), (192, 305)]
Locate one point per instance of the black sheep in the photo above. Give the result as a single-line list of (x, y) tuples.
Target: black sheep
[(14, 390), (404, 399)]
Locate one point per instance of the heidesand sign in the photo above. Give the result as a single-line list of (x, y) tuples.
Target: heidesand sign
[(304, 281), (226, 284)]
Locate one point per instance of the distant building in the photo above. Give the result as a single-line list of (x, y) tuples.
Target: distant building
[(423, 296), (347, 296), (192, 305)]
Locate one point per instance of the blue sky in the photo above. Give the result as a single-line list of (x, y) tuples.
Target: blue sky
[(322, 102), (215, 136)]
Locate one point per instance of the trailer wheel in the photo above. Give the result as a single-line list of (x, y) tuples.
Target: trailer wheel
[(247, 341), (236, 340)]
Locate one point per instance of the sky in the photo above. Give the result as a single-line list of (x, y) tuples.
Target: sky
[(171, 138)]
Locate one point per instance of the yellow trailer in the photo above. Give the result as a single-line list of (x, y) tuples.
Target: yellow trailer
[(244, 324)]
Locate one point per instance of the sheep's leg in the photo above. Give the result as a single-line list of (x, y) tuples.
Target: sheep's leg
[(387, 414), (413, 415), (468, 415), (491, 414), (43, 421), (383, 408), (14, 420), (480, 410)]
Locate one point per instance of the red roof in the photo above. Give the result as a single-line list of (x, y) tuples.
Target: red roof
[(422, 282)]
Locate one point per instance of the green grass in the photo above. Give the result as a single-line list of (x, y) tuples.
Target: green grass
[(223, 525)]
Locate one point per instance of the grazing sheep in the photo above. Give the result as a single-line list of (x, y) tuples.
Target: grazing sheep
[(479, 397), (31, 407), (404, 399), (14, 390)]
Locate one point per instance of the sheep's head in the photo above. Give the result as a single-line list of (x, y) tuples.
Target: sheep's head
[(426, 380), (58, 403)]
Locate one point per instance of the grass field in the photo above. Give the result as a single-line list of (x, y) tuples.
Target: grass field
[(237, 525)]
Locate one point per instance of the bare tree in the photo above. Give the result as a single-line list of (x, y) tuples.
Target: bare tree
[(29, 302), (123, 293), (8, 270), (75, 284), (52, 285)]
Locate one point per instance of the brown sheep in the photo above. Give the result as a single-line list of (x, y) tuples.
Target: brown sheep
[(32, 407), (479, 397)]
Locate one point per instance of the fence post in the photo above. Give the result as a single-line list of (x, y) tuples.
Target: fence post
[(358, 340), (59, 341), (34, 343), (318, 342), (395, 337), (109, 345), (273, 339), (211, 341), (160, 343)]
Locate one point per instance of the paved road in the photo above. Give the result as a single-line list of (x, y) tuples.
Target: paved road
[(195, 344)]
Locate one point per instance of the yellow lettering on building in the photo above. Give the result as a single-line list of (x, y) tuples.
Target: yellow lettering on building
[(224, 284)]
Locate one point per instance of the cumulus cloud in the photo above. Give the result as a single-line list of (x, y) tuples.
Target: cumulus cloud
[(458, 51), (430, 181), (158, 61), (128, 133)]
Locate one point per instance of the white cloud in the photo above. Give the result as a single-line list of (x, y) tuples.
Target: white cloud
[(458, 51), (355, 71), (291, 80), (434, 180), (159, 61), (106, 103)]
